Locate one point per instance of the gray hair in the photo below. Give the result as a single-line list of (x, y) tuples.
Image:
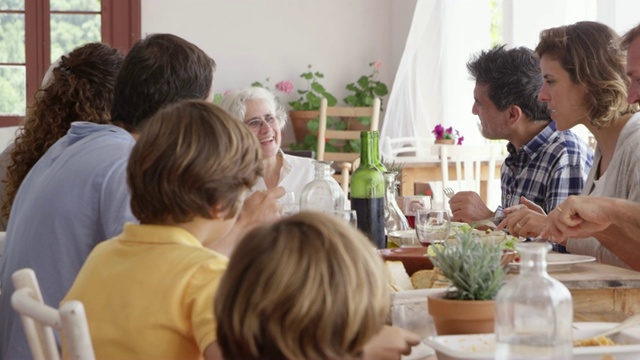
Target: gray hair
[(235, 103)]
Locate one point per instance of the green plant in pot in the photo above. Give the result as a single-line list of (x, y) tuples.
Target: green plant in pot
[(304, 110), (475, 270), (365, 89)]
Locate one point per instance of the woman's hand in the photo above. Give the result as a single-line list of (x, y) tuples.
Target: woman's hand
[(526, 219)]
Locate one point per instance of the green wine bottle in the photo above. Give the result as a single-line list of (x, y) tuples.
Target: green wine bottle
[(376, 152), (367, 193)]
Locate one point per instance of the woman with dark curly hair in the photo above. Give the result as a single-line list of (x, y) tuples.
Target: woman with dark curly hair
[(80, 89)]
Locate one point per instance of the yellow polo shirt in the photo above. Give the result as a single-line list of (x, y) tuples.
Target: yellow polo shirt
[(148, 294)]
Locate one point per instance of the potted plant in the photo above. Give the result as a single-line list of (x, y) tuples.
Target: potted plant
[(304, 110), (364, 90), (448, 136), (475, 270)]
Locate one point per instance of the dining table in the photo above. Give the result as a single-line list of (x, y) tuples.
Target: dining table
[(600, 293)]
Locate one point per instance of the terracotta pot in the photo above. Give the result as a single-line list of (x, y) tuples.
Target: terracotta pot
[(354, 124), (299, 121), (461, 316), (445, 141)]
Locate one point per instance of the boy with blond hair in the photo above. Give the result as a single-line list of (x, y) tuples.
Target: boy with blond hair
[(148, 292)]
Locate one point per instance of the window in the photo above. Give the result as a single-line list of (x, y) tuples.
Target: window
[(36, 32)]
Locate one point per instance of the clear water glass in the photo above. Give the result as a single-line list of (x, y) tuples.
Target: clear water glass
[(432, 226)]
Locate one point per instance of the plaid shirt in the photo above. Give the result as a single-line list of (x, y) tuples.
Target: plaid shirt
[(552, 166)]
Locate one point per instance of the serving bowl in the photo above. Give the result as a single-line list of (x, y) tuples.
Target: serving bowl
[(415, 258)]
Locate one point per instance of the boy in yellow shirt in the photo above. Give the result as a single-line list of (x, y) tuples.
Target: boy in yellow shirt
[(148, 292)]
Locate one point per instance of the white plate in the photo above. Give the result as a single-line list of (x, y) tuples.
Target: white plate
[(559, 262), (482, 346)]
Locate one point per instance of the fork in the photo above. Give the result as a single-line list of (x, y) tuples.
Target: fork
[(449, 192)]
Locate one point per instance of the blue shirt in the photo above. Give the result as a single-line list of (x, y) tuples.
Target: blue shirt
[(74, 197), (549, 168)]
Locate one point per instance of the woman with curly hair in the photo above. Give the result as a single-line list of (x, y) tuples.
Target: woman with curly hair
[(80, 88)]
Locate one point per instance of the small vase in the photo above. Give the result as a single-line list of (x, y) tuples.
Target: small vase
[(461, 316), (445, 141)]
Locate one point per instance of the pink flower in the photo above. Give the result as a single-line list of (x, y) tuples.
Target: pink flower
[(285, 86), (377, 65)]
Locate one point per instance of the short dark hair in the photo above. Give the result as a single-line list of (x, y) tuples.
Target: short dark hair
[(191, 156), (159, 70), (512, 77), (629, 36)]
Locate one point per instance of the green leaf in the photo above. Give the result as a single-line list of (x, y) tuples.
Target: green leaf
[(307, 76), (331, 100), (363, 82), (380, 89)]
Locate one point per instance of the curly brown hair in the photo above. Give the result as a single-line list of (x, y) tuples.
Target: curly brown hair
[(81, 89)]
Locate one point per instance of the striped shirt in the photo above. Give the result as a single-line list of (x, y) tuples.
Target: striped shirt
[(552, 166)]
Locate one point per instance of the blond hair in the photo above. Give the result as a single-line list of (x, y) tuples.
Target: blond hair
[(307, 287), (590, 52), (190, 157)]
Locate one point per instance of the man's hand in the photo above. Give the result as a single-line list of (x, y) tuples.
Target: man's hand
[(390, 343), (467, 206)]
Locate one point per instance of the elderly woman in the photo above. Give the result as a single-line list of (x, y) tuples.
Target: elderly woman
[(585, 82), (260, 111)]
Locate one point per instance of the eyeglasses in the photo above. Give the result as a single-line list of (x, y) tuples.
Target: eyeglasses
[(255, 124)]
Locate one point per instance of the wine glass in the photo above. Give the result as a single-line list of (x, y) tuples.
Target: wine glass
[(432, 226), (412, 203)]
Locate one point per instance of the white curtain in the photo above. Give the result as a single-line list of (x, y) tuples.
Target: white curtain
[(432, 85)]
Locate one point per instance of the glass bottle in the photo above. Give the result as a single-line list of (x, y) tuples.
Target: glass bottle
[(323, 193), (376, 152), (534, 312), (394, 219), (367, 193)]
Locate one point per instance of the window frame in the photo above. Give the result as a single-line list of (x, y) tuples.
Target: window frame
[(120, 25)]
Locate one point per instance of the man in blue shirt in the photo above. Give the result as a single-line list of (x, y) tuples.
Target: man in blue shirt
[(76, 195), (544, 166)]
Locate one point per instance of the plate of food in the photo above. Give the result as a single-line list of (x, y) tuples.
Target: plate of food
[(559, 262), (624, 345)]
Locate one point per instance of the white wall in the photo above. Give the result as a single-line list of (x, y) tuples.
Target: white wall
[(251, 40)]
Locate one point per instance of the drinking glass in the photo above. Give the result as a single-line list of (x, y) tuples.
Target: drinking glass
[(432, 226), (412, 203), (288, 204), (349, 216)]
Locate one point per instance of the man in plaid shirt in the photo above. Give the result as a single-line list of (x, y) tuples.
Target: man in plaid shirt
[(544, 166)]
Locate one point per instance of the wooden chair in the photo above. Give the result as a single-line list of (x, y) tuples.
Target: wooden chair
[(40, 320), (344, 160), (468, 161)]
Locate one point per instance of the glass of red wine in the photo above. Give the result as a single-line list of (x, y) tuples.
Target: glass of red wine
[(432, 226), (412, 203)]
